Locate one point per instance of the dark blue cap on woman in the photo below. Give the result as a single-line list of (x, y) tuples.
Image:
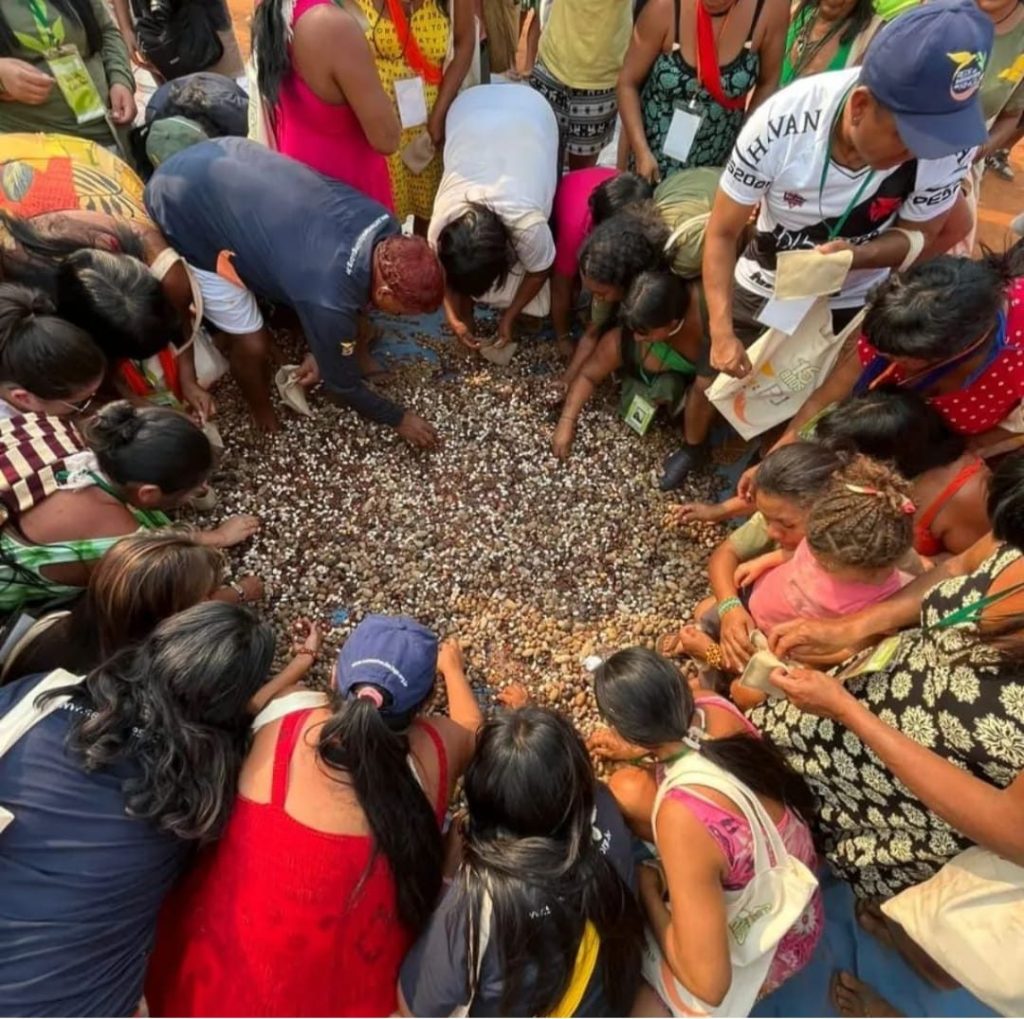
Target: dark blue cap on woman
[(396, 655), (926, 67)]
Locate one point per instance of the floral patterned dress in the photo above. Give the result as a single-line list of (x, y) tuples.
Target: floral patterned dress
[(944, 689), (673, 80)]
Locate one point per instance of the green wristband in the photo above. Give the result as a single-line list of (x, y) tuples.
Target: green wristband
[(728, 604)]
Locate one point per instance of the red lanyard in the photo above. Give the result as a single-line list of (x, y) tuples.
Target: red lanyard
[(707, 60), (430, 73)]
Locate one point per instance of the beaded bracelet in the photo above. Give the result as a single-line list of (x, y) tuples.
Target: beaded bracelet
[(728, 604), (713, 656)]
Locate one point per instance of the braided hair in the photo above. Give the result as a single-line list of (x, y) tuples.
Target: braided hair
[(864, 518)]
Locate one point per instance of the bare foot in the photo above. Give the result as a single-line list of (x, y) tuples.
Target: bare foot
[(265, 419), (889, 933), (871, 920), (854, 998), (566, 348)]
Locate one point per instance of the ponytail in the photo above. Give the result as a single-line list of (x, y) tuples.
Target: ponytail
[(41, 353), (271, 26), (358, 740), (646, 698)]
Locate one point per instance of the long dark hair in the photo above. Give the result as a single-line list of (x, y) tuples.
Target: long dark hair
[(647, 700), (529, 845), (176, 706), (617, 193), (41, 353), (77, 10), (912, 313), (111, 294), (371, 748), (631, 242), (897, 426), (476, 251), (271, 48), (149, 445), (799, 472), (856, 20)]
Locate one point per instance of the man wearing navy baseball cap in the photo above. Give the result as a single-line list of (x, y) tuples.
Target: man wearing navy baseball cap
[(869, 159)]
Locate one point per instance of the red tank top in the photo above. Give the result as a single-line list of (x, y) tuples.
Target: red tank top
[(277, 919)]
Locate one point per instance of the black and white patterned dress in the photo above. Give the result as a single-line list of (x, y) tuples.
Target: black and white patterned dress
[(944, 689)]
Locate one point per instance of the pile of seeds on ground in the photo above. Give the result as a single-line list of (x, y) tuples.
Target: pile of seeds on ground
[(534, 564)]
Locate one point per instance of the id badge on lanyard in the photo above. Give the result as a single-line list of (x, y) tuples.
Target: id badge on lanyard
[(66, 65), (76, 84), (639, 414), (411, 97), (682, 130)]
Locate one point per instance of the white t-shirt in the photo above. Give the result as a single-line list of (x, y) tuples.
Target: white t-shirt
[(778, 160), (502, 151)]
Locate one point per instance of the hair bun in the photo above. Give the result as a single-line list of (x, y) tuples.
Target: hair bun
[(115, 425), (20, 302)]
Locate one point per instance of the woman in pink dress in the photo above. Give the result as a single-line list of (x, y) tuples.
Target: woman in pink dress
[(318, 81)]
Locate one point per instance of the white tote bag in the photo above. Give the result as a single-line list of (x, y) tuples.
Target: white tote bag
[(969, 918), (24, 715), (785, 371), (758, 916)]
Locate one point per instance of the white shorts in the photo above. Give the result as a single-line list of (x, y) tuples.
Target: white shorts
[(228, 306)]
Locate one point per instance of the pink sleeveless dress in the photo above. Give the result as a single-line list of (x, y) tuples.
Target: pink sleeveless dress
[(732, 833), (328, 137)]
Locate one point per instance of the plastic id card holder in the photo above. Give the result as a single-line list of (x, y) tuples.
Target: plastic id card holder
[(682, 130), (72, 77), (412, 102), (639, 414)]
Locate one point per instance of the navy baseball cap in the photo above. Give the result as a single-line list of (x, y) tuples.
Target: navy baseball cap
[(926, 67), (395, 654)]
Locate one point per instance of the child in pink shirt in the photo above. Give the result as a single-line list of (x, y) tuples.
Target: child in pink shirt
[(857, 533)]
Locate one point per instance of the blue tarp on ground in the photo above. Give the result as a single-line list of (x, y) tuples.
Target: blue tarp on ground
[(844, 946)]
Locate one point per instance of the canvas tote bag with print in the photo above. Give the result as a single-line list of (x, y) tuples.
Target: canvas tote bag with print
[(758, 916), (969, 918)]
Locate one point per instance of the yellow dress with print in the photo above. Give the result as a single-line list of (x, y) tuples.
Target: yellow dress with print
[(413, 193)]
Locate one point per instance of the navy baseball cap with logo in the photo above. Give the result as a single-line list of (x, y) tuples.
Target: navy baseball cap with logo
[(926, 67), (393, 653)]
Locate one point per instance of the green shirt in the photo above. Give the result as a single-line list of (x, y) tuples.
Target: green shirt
[(751, 540), (1001, 87), (109, 65)]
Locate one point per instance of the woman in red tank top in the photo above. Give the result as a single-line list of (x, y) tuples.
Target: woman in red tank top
[(322, 881)]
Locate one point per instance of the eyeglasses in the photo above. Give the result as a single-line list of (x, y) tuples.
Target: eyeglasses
[(81, 406)]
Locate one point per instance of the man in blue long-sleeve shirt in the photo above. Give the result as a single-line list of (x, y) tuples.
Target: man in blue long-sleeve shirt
[(250, 222)]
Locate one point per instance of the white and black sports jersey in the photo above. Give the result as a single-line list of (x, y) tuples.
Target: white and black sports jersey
[(778, 161)]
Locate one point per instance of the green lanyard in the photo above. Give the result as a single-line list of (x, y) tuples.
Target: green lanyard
[(841, 222), (47, 35), (973, 612)]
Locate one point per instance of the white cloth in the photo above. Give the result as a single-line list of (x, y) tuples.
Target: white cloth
[(297, 700), (502, 152), (228, 306), (777, 162)]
